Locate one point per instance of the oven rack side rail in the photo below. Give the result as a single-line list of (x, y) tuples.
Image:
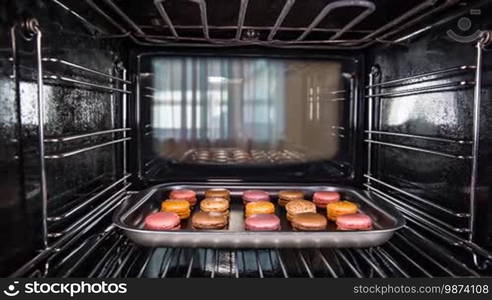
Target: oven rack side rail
[(482, 258), (60, 223)]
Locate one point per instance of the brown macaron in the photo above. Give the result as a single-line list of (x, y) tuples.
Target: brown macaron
[(295, 207), (218, 193), (218, 205), (205, 220), (288, 195), (309, 222)]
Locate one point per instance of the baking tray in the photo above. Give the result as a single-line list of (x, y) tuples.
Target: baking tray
[(132, 212)]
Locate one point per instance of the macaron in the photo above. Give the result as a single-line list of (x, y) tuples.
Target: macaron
[(162, 221), (322, 198), (357, 221), (206, 220), (255, 196), (218, 205), (180, 207), (309, 221), (184, 194), (259, 207), (262, 222), (295, 207), (288, 195), (218, 193), (340, 208)]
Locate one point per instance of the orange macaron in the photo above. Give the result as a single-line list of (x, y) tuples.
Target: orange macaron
[(259, 207), (180, 207), (340, 208)]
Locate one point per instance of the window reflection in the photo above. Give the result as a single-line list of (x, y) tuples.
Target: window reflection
[(218, 99), (246, 103)]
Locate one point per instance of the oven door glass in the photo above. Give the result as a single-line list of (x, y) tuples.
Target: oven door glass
[(246, 118)]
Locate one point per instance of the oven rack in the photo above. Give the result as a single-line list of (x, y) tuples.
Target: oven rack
[(373, 88), (481, 257), (251, 34), (417, 198), (56, 79), (110, 255), (42, 263), (102, 190), (59, 225)]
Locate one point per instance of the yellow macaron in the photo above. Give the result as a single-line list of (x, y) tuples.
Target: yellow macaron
[(180, 207), (340, 208), (259, 207)]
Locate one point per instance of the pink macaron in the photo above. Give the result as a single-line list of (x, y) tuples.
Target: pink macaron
[(255, 196), (184, 194), (321, 199), (262, 222), (162, 221), (358, 221)]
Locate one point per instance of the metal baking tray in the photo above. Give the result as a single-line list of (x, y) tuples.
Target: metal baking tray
[(132, 212)]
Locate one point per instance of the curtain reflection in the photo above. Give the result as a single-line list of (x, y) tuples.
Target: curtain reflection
[(219, 102), (246, 103)]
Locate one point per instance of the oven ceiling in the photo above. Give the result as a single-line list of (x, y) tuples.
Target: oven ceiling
[(341, 24)]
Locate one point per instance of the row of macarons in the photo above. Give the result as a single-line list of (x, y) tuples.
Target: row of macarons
[(320, 198), (259, 211), (303, 213)]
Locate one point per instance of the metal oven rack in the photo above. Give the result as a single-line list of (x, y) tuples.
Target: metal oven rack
[(451, 234), (110, 255), (331, 38), (104, 198)]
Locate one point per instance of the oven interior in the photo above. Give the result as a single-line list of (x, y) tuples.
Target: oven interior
[(101, 99)]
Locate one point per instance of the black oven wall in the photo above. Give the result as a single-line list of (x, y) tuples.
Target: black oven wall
[(70, 108), (435, 184)]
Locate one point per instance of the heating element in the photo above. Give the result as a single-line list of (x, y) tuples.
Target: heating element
[(170, 27)]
